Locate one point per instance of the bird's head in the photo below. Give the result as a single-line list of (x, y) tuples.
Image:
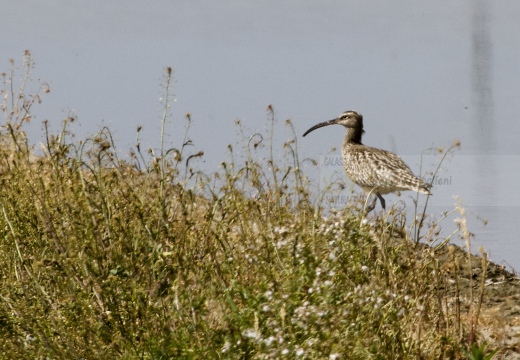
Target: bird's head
[(349, 119)]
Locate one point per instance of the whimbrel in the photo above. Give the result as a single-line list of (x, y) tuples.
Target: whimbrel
[(374, 170)]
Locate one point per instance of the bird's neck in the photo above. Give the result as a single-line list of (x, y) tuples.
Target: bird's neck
[(353, 136)]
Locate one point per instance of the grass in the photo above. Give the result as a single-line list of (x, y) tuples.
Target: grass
[(148, 258)]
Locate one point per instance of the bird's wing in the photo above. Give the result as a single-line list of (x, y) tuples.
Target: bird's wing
[(384, 170)]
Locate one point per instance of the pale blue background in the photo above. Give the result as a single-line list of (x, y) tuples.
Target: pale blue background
[(422, 73)]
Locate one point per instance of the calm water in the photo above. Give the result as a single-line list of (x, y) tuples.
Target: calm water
[(421, 73)]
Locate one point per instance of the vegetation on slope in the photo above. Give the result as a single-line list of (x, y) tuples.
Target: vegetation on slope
[(103, 257)]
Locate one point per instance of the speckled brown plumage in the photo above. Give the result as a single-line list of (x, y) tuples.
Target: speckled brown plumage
[(374, 170)]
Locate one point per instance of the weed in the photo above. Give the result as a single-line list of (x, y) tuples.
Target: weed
[(479, 352), (151, 258)]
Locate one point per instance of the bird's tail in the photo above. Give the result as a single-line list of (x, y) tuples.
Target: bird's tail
[(424, 188)]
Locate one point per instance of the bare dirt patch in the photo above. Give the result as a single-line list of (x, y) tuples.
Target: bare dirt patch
[(499, 319)]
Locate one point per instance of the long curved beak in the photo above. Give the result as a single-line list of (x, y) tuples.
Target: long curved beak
[(325, 123)]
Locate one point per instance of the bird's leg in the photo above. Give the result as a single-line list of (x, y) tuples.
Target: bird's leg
[(383, 203), (371, 207)]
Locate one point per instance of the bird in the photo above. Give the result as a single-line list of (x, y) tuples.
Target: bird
[(375, 170)]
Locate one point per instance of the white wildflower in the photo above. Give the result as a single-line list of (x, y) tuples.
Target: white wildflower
[(250, 333), (226, 347), (269, 340)]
